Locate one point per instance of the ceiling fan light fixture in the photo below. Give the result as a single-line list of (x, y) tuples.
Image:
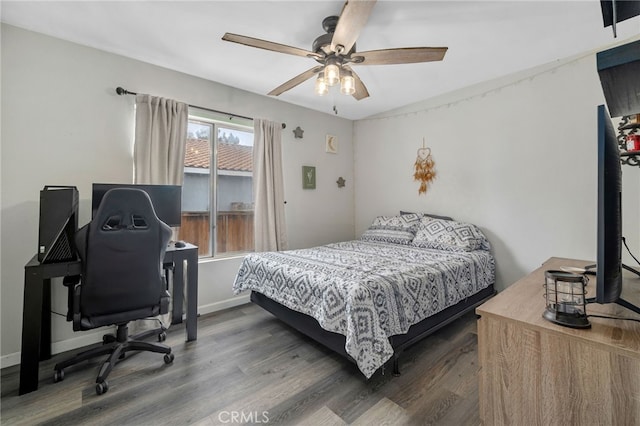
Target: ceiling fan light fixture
[(332, 72), (337, 49), (347, 83), (321, 85)]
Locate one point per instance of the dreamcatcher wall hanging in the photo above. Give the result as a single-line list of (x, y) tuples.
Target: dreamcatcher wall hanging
[(424, 168)]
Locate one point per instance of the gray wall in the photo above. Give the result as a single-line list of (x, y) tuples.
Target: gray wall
[(231, 189), (516, 156), (194, 190), (234, 189), (63, 124)]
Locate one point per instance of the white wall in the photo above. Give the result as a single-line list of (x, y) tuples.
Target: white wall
[(63, 124), (516, 156)]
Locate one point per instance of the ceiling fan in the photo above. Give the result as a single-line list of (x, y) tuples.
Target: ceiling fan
[(335, 51)]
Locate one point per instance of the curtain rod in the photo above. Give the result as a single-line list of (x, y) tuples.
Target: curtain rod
[(121, 91)]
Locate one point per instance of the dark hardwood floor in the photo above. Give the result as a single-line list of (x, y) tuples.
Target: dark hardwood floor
[(248, 367)]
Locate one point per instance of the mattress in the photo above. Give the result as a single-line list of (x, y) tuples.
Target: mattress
[(367, 291)]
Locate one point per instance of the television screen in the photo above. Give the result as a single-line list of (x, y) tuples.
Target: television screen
[(623, 10), (166, 199), (609, 278), (609, 250)]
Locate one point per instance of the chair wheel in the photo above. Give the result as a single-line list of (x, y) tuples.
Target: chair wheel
[(168, 358), (102, 387), (58, 376), (162, 337)]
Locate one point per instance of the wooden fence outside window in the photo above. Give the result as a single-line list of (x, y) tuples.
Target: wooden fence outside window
[(234, 231)]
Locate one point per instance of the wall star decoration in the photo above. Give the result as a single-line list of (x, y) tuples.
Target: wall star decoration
[(424, 168), (297, 132), (341, 182)]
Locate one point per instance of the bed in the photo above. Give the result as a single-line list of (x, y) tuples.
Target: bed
[(370, 299)]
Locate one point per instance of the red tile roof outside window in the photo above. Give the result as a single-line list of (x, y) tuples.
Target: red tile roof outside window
[(230, 156)]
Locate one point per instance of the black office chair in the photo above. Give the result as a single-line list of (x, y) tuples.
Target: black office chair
[(122, 250)]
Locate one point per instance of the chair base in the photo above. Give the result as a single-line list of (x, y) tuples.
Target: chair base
[(116, 346)]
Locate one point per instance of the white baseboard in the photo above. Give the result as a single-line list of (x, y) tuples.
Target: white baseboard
[(91, 338), (9, 360), (223, 304), (58, 347)]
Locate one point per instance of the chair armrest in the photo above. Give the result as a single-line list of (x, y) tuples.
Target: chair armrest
[(70, 282), (74, 293), (164, 303)]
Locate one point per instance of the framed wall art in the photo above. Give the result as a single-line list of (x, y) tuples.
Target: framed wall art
[(331, 144), (308, 177)]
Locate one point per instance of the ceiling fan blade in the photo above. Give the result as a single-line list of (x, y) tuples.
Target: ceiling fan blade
[(300, 78), (402, 55), (267, 45), (354, 16), (361, 90)]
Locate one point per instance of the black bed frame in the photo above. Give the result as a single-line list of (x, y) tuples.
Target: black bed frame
[(309, 326)]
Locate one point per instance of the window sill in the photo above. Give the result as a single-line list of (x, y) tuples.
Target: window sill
[(223, 257)]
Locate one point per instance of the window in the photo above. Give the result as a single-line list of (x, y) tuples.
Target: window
[(226, 194)]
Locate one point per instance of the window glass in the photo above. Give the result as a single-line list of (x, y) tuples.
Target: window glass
[(226, 194)]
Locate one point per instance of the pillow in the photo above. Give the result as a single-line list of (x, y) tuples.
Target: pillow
[(449, 235), (392, 229), (435, 216)]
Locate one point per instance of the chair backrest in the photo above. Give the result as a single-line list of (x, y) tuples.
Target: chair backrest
[(122, 250)]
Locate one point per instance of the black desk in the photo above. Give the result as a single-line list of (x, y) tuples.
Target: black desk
[(36, 312)]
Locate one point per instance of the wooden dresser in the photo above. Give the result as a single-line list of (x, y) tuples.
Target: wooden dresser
[(534, 372)]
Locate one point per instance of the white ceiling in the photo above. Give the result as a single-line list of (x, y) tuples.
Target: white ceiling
[(485, 39)]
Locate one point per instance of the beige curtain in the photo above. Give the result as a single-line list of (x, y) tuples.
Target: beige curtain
[(268, 187), (161, 134), (158, 156)]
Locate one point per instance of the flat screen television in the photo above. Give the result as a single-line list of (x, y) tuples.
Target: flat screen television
[(166, 199), (619, 11), (609, 234)]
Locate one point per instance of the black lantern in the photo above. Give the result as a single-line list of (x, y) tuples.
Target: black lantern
[(565, 296)]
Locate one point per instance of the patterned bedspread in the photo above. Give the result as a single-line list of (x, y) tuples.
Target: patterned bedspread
[(367, 291)]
